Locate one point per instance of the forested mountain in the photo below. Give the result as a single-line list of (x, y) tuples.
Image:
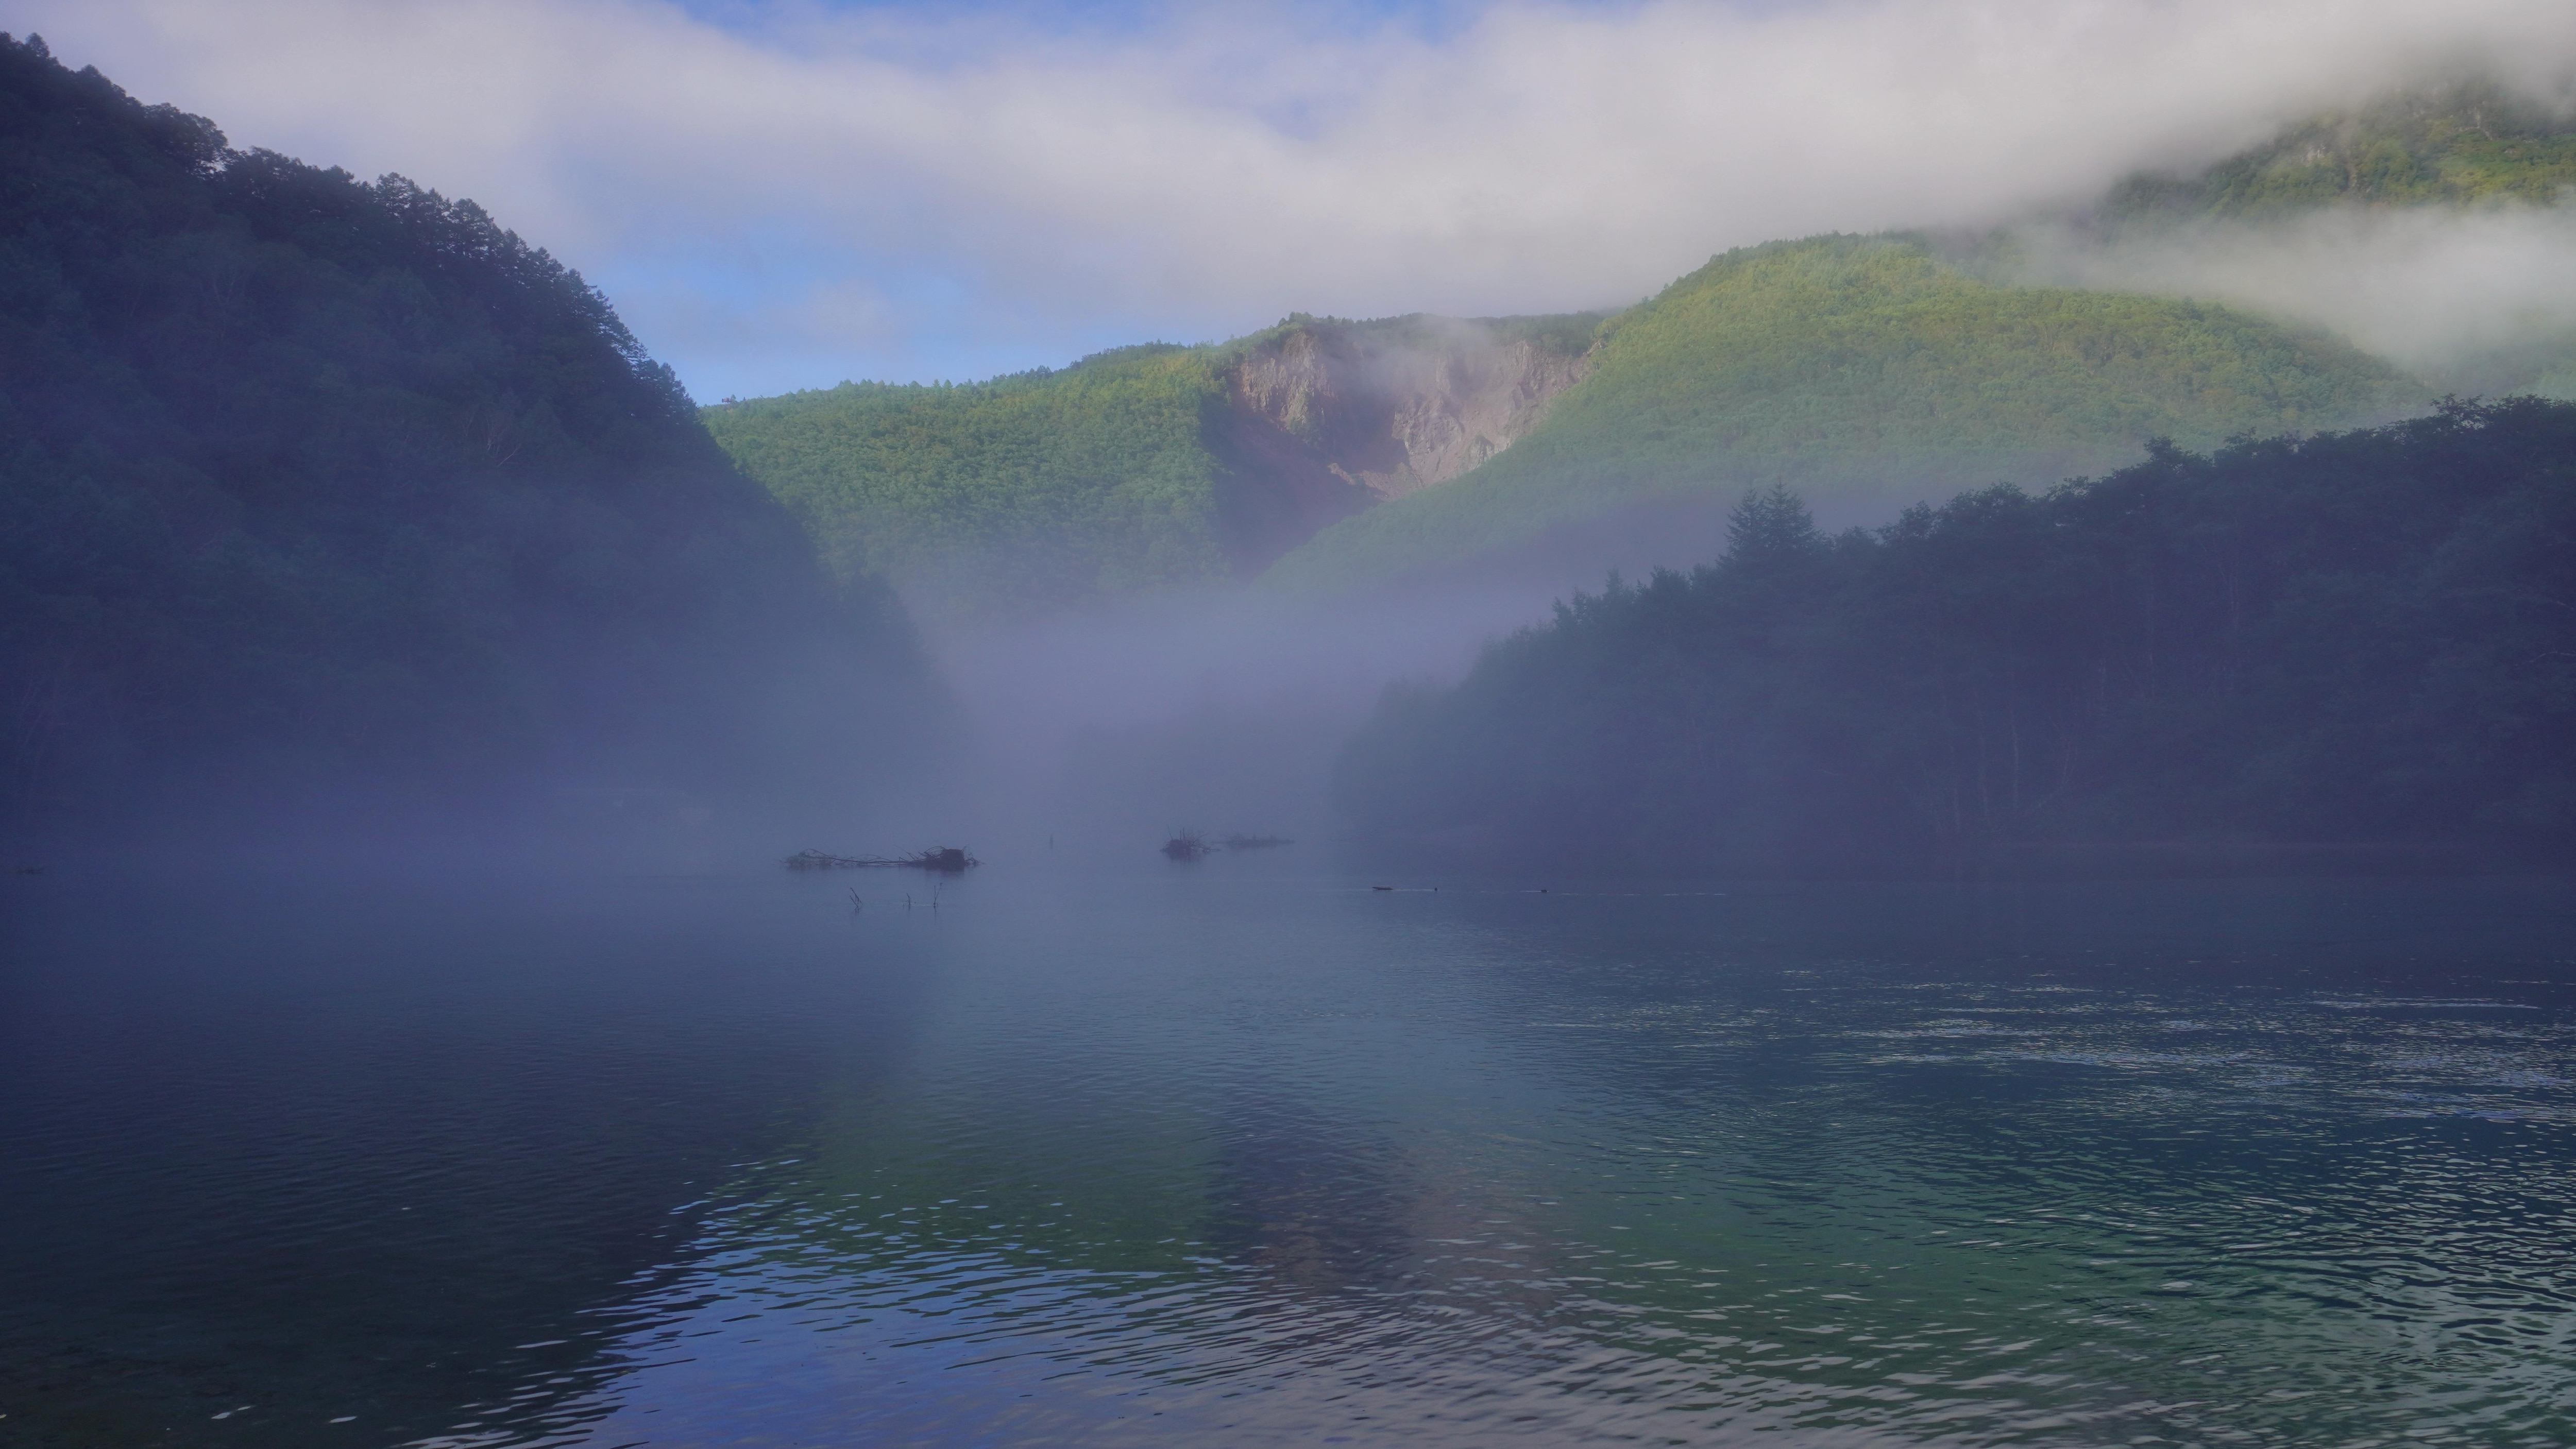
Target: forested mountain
[(1002, 496), (1865, 371), (2365, 636), (308, 484), (2465, 145), (1149, 466), (1863, 368), (2430, 223), (1871, 368)]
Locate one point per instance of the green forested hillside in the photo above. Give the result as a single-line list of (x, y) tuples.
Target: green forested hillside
[(995, 497), (1864, 367), (1141, 468), (308, 484), (2473, 163), (1864, 370), (2466, 145), (2355, 637)]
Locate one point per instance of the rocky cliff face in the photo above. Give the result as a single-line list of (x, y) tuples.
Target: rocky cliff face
[(1324, 418)]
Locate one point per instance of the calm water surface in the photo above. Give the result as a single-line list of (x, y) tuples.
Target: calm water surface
[(1249, 1153)]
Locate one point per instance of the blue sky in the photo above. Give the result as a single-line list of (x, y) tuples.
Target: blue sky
[(783, 193)]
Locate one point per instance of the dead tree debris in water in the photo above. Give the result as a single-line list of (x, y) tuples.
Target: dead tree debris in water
[(946, 859), (1190, 845)]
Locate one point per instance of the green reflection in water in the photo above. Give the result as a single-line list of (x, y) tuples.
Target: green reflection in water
[(2159, 1165)]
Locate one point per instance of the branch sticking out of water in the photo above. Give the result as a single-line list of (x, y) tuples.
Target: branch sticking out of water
[(1190, 845), (946, 859)]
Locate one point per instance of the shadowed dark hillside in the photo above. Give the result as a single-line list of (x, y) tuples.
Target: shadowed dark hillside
[(311, 485), (2359, 637)]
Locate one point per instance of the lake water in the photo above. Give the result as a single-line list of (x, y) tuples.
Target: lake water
[(1248, 1153)]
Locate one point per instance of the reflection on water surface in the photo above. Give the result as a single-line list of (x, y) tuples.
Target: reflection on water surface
[(1248, 1153)]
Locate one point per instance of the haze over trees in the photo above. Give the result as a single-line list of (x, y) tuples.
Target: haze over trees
[(1864, 368), (2364, 636), (2469, 144), (1865, 371), (317, 485), (1868, 368)]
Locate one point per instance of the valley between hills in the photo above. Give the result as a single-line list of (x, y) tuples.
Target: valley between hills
[(337, 500)]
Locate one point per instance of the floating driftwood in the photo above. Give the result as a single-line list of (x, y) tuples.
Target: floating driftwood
[(1190, 845), (946, 859)]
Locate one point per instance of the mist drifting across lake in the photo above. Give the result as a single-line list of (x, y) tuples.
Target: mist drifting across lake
[(1250, 1152)]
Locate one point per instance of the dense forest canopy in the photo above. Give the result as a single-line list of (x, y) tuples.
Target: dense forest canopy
[(2362, 636), (1002, 497), (1866, 367), (306, 480)]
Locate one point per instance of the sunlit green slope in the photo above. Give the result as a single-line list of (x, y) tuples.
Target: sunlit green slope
[(1146, 467), (990, 497), (1863, 368), (2473, 154)]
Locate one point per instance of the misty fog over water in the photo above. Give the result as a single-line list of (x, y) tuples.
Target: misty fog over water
[(1106, 1151), (1220, 712), (1860, 731)]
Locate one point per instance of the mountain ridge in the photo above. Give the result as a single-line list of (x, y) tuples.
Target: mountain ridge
[(2472, 143), (1332, 453), (1871, 370), (1148, 466)]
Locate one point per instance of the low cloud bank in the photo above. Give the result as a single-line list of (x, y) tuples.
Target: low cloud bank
[(2480, 302), (783, 195)]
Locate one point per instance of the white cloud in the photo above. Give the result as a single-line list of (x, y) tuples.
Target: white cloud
[(977, 196), (2455, 297)]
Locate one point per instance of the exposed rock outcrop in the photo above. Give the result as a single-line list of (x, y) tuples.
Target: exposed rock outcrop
[(1323, 417)]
